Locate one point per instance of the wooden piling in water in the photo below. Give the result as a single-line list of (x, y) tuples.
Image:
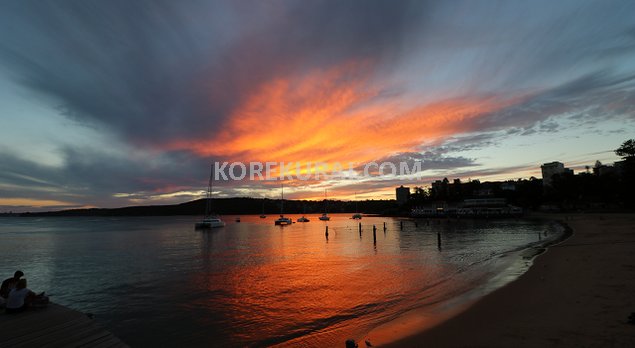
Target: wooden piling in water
[(384, 227), (401, 225), (439, 240), (374, 234), (327, 232)]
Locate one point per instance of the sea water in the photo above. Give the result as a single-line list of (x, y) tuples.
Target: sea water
[(158, 281)]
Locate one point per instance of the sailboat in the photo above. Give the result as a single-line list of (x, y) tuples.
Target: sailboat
[(263, 216), (209, 220), (357, 215), (282, 220), (325, 216), (303, 218)]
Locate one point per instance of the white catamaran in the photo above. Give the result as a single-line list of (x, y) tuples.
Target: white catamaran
[(282, 220), (303, 218), (209, 220), (357, 215), (325, 216), (263, 216)]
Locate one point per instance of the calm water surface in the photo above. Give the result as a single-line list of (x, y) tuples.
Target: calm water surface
[(156, 281)]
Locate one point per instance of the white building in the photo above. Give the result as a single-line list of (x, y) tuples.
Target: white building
[(549, 170)]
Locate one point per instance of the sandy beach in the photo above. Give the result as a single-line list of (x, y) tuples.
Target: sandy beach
[(579, 293)]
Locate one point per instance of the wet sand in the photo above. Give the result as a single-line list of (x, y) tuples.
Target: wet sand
[(579, 293)]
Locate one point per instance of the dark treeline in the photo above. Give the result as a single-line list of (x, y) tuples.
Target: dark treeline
[(522, 192), (614, 189), (233, 206)]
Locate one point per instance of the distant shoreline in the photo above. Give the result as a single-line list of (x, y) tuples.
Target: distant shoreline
[(229, 206)]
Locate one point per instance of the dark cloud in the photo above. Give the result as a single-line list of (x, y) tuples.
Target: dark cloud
[(468, 142), (585, 101), (92, 177), (594, 97), (158, 71), (329, 32), (130, 66), (429, 161), (373, 185)]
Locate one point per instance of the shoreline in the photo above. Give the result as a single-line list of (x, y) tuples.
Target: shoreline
[(577, 292), (424, 318)]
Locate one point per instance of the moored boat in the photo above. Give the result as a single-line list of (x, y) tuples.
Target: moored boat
[(263, 216), (209, 220), (325, 216), (357, 215), (281, 221)]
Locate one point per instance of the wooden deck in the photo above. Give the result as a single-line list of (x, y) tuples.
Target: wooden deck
[(53, 326)]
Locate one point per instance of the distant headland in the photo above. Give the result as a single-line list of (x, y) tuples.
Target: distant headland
[(233, 206)]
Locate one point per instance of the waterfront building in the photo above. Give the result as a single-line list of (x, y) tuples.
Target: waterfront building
[(403, 194), (549, 170)]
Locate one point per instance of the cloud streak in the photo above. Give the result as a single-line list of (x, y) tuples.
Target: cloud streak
[(179, 71)]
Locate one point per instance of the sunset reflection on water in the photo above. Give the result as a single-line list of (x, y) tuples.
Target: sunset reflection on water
[(275, 284), (157, 281)]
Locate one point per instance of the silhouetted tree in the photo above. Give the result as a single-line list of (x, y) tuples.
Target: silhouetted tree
[(627, 168), (626, 150), (418, 197)]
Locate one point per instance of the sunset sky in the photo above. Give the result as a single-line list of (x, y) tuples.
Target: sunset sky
[(114, 103)]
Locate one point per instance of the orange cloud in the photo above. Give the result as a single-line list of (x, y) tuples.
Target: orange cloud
[(338, 115), (33, 202), (358, 193)]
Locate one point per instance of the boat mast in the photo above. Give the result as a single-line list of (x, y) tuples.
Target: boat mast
[(208, 200), (325, 203), (263, 206), (282, 200)]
